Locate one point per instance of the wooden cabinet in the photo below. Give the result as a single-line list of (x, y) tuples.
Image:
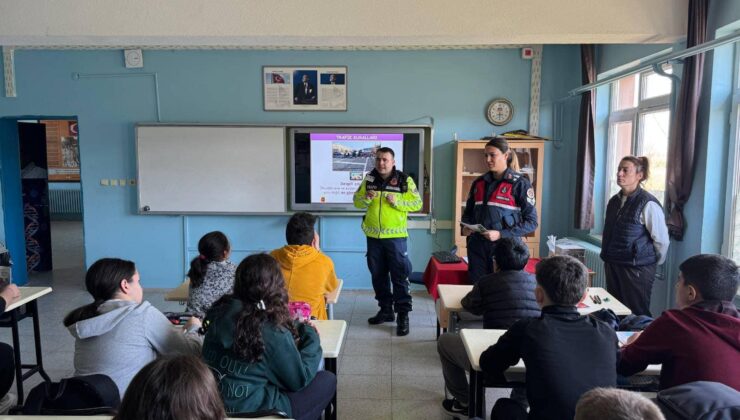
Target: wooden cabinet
[(470, 164)]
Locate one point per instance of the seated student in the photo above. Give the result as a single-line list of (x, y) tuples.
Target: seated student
[(119, 333), (565, 353), (616, 404), (9, 293), (211, 273), (502, 298), (262, 358), (701, 340), (308, 273), (172, 388)]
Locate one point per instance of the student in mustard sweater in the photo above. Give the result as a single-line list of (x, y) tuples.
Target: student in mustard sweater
[(263, 359), (309, 274)]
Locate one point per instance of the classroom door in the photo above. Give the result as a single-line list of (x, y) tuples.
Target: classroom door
[(12, 198), (35, 190)]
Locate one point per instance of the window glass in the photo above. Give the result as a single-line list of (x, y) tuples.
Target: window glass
[(656, 85), (654, 141), (625, 93), (620, 146)]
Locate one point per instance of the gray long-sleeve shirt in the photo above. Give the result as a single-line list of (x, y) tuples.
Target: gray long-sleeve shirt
[(124, 337)]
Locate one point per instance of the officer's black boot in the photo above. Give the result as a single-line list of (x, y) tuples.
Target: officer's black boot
[(402, 324), (383, 315)]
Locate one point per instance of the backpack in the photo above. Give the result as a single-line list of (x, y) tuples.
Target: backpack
[(82, 395), (699, 400)]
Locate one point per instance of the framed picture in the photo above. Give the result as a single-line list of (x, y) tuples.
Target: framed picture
[(304, 88)]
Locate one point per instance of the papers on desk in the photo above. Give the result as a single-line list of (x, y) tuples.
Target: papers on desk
[(474, 228), (622, 336), (465, 259)]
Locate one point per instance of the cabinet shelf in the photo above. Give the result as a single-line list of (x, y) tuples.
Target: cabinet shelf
[(469, 154)]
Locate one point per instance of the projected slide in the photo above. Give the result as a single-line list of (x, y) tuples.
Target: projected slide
[(339, 162)]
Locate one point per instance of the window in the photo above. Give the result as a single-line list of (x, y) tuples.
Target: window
[(639, 121), (732, 219)]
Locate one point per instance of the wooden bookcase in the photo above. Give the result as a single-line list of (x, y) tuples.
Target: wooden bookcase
[(470, 164)]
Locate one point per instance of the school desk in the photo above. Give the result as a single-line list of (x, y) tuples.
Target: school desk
[(14, 313), (181, 292), (331, 334), (476, 341), (450, 303)]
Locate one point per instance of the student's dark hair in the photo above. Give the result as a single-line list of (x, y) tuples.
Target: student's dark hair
[(642, 165), (300, 229), (385, 150), (260, 287), (172, 388), (715, 277), (511, 254), (503, 145), (211, 247), (563, 278), (102, 281)]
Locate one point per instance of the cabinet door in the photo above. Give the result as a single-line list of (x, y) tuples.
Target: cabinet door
[(530, 158)]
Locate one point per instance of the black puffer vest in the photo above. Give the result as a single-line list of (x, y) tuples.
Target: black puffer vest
[(626, 241)]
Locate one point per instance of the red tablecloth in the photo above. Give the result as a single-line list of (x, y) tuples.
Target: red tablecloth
[(457, 273)]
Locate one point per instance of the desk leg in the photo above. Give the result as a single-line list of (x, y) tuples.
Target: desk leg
[(477, 397), (330, 413), (331, 310), (452, 322), (17, 355), (33, 307)]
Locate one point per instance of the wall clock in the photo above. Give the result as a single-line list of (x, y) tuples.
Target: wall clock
[(500, 111)]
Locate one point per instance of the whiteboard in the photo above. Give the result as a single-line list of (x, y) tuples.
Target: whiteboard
[(185, 169)]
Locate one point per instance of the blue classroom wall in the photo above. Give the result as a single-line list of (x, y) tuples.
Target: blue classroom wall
[(387, 87)]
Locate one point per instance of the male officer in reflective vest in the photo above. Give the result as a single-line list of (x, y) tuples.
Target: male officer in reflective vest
[(388, 195)]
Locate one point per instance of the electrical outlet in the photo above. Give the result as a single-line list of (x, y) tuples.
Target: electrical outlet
[(122, 182), (132, 182), (113, 182), (433, 226), (104, 182)]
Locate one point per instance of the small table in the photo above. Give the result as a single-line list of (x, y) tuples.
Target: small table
[(29, 295), (180, 293), (331, 334), (476, 341)]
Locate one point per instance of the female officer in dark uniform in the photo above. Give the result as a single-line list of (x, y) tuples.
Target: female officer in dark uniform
[(503, 202)]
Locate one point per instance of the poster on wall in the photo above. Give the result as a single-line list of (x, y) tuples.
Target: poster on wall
[(304, 88)]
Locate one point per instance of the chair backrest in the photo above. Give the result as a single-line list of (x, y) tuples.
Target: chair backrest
[(79, 395), (271, 414)]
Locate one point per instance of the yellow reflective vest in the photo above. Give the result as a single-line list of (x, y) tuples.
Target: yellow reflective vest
[(383, 219)]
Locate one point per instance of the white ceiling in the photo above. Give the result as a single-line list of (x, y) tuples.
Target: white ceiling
[(364, 24)]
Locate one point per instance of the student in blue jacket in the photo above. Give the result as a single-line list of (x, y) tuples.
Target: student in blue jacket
[(263, 359)]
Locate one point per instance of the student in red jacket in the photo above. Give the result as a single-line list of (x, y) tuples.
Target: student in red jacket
[(701, 340)]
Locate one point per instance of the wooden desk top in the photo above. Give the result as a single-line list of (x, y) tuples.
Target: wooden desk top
[(451, 296), (331, 333), (476, 341), (333, 297), (180, 293), (28, 294)]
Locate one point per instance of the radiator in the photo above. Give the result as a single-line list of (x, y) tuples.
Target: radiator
[(65, 203), (593, 261)]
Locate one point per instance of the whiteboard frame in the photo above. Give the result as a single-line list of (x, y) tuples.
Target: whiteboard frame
[(139, 205)]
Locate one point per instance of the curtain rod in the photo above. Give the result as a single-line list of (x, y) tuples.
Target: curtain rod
[(697, 49)]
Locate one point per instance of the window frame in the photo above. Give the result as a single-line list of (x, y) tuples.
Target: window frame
[(633, 115), (733, 168)]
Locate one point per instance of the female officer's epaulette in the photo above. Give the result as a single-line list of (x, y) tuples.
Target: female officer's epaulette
[(513, 176)]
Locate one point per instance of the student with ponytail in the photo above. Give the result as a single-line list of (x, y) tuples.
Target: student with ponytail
[(262, 358), (211, 273), (635, 239), (119, 333)]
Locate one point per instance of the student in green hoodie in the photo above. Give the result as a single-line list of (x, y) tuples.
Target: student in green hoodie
[(262, 359)]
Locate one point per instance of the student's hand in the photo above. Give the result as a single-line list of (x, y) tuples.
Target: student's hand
[(492, 235), (391, 199), (11, 294), (467, 231), (193, 322), (312, 324), (631, 339), (370, 195)]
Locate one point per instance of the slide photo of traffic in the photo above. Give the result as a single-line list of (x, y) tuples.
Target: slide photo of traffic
[(353, 156)]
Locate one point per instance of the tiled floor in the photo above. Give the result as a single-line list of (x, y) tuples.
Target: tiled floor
[(381, 376)]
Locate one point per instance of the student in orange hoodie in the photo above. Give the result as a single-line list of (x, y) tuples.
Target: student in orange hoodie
[(309, 274)]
